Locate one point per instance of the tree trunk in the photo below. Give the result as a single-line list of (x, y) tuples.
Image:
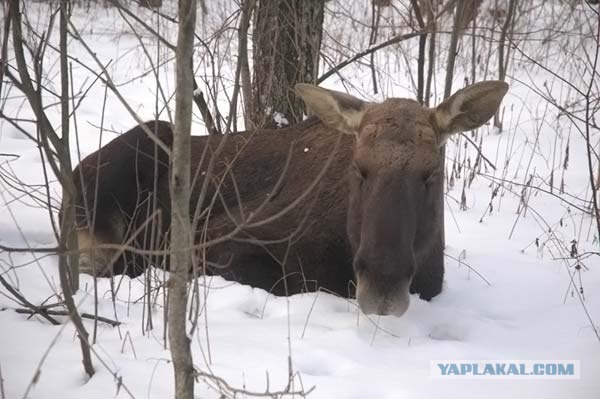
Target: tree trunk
[(421, 58), (56, 150), (180, 209), (69, 265), (67, 230), (502, 64), (246, 82), (431, 11), (287, 41), (460, 22), (456, 30)]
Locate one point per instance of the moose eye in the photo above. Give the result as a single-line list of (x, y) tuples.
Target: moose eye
[(359, 172)]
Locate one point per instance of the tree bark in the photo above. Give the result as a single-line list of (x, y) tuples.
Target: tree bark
[(465, 11), (287, 41), (431, 11), (180, 211), (457, 26), (422, 46), (56, 150), (69, 265), (67, 231), (246, 81), (453, 48), (512, 5)]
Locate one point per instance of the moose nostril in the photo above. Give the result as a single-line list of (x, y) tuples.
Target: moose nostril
[(375, 299), (383, 308)]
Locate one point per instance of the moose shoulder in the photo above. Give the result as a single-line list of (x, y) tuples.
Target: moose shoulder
[(294, 209)]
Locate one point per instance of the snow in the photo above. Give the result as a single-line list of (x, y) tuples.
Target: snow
[(280, 119), (530, 309)]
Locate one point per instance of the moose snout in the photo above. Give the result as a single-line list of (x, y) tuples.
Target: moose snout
[(382, 294), (383, 280), (384, 306)]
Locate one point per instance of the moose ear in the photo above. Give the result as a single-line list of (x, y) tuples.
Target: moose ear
[(337, 110), (470, 107)]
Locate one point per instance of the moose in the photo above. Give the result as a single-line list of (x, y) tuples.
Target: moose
[(349, 195)]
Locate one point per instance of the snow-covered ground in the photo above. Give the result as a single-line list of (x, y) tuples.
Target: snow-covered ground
[(511, 291)]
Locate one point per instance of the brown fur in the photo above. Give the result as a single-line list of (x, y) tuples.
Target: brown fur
[(112, 185), (371, 218)]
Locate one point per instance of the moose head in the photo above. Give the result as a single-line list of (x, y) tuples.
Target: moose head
[(393, 218)]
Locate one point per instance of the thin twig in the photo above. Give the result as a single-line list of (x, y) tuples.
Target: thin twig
[(66, 313), (343, 64), (20, 298)]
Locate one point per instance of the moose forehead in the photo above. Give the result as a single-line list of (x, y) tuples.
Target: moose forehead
[(397, 133)]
